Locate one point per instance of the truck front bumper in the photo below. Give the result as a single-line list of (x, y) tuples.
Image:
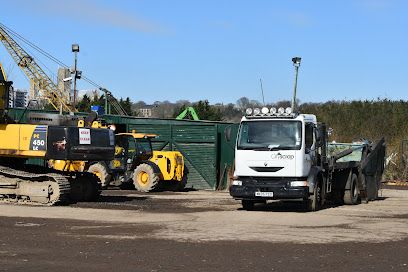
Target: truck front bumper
[(279, 191)]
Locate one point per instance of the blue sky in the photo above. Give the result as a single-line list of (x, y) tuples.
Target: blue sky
[(218, 50)]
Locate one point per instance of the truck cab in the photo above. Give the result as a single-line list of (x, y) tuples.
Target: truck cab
[(284, 155), (275, 153)]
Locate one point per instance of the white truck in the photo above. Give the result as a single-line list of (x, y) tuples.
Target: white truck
[(282, 155)]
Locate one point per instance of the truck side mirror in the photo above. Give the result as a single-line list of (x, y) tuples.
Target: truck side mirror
[(227, 133), (320, 135)]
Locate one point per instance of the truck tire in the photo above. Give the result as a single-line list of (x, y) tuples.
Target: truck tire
[(99, 170), (314, 203), (248, 205), (351, 195), (145, 179)]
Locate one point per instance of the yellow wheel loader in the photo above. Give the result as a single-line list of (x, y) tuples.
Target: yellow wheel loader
[(136, 162)]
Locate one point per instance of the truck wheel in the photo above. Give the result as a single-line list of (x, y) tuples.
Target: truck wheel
[(351, 195), (144, 178), (314, 203), (248, 205), (99, 170)]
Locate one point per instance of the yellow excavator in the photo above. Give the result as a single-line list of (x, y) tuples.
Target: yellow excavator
[(26, 184)]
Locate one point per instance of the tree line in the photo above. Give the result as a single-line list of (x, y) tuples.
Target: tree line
[(350, 120)]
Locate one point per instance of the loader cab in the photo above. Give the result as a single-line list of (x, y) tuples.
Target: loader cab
[(133, 147)]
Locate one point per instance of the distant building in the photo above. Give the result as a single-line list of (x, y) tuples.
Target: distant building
[(11, 97), (148, 111), (64, 84), (34, 90), (20, 98)]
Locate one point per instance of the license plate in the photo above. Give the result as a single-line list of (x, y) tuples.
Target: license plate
[(264, 194)]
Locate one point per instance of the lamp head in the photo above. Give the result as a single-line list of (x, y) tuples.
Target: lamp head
[(296, 61), (75, 48)]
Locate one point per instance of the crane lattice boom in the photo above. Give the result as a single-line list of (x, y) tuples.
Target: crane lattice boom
[(34, 72), (114, 102)]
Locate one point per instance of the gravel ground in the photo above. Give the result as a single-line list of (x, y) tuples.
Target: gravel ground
[(204, 231)]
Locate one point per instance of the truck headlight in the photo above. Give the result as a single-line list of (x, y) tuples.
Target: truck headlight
[(299, 183), (237, 182)]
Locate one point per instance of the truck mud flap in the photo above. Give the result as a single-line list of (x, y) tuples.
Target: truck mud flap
[(372, 166)]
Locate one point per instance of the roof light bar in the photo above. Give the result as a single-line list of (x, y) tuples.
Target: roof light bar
[(269, 112)]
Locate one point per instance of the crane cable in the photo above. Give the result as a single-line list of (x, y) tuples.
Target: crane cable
[(109, 95), (46, 54)]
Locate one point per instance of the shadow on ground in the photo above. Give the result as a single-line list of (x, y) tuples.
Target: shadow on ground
[(120, 199), (295, 206)]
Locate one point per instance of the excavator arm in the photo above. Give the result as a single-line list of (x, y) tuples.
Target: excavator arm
[(184, 113)]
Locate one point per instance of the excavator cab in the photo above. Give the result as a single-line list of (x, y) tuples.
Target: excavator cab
[(5, 88)]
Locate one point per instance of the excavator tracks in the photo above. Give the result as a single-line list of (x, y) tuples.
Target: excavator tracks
[(22, 187)]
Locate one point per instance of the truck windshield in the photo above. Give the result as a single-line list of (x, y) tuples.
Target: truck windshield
[(270, 135)]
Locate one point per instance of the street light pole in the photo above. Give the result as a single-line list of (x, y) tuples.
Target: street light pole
[(296, 63), (106, 100), (75, 50)]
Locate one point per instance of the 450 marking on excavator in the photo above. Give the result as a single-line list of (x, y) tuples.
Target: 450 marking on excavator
[(38, 139)]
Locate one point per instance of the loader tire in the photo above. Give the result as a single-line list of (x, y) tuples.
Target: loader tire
[(351, 195), (178, 186), (145, 179), (99, 170)]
